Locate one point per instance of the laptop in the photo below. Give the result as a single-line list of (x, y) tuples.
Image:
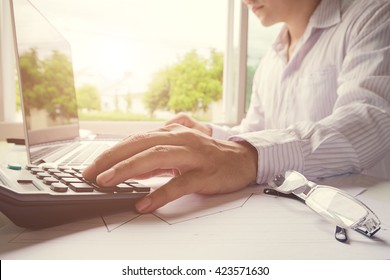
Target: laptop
[(51, 190), (48, 97)]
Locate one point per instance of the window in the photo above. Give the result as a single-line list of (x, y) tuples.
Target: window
[(137, 60), (260, 40), (131, 58)]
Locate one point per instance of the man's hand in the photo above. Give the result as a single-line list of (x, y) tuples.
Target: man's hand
[(189, 122), (198, 163)]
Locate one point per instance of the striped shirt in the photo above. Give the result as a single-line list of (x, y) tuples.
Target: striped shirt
[(326, 111)]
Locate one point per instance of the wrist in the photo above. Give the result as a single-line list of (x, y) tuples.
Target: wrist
[(250, 160), (208, 130)]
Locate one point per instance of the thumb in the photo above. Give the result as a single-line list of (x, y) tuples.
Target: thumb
[(174, 189)]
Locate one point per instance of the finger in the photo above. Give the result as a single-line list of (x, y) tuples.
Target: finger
[(174, 189), (148, 161), (181, 118), (127, 148), (157, 173), (189, 122), (176, 119)]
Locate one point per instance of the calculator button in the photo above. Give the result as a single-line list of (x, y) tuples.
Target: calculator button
[(42, 175), (47, 167), (14, 166), (31, 166), (36, 170), (61, 175), (59, 187), (53, 170), (78, 175), (124, 188), (49, 180), (71, 180), (105, 189), (63, 168), (24, 181), (81, 187)]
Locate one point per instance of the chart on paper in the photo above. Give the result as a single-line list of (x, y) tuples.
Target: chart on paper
[(243, 224), (183, 210)]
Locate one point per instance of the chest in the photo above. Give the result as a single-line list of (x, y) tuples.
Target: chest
[(305, 88)]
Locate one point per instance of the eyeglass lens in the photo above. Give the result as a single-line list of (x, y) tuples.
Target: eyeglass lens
[(336, 206)]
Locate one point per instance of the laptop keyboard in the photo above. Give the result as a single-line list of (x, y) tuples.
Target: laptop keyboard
[(72, 154), (86, 155), (65, 179), (42, 152)]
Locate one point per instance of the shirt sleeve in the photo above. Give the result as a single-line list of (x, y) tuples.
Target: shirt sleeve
[(356, 135), (253, 121)]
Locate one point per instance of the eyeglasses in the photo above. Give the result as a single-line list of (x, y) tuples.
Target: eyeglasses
[(331, 203)]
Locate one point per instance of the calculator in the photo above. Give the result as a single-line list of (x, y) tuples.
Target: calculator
[(37, 196)]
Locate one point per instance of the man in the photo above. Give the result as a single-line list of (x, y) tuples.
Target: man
[(320, 105)]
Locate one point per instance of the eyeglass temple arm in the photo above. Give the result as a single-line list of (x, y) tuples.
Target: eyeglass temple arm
[(270, 191), (340, 233)]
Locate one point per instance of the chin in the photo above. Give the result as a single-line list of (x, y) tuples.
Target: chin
[(267, 22)]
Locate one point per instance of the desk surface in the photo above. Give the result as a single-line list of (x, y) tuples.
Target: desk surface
[(242, 225)]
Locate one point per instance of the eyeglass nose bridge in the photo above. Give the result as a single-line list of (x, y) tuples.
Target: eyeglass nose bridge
[(293, 182)]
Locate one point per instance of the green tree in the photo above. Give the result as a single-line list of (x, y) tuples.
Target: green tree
[(190, 85), (216, 69), (58, 86), (17, 92), (48, 84), (157, 96), (30, 71), (88, 97)]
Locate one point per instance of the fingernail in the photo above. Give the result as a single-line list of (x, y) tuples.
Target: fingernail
[(89, 170), (143, 204), (106, 176)]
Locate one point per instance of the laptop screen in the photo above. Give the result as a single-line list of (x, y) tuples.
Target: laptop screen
[(46, 80)]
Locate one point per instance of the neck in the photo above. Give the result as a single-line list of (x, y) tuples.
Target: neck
[(299, 19), (297, 22)]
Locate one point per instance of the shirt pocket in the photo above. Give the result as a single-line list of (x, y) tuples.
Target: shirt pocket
[(317, 92)]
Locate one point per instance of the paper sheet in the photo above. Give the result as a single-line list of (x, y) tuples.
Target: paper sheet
[(242, 225)]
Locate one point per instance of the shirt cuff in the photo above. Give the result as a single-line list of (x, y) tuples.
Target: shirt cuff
[(219, 132), (278, 151)]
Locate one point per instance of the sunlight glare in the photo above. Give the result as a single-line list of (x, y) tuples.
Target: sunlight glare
[(114, 59)]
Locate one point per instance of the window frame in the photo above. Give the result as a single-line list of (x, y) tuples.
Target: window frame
[(7, 63), (235, 84)]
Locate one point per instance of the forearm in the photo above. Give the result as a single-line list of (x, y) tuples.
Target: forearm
[(351, 140)]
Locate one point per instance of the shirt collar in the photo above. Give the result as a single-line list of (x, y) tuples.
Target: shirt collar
[(281, 43), (327, 14)]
